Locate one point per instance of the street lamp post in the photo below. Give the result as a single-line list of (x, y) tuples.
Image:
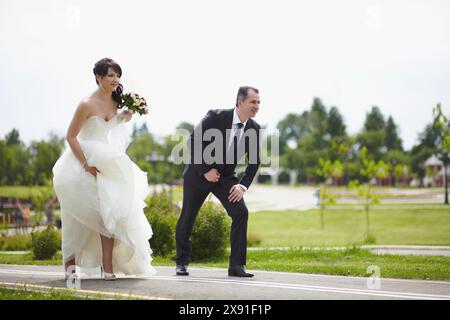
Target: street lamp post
[(446, 160)]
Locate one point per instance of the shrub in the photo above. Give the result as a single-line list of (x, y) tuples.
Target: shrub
[(163, 240), (45, 243), (370, 239), (161, 202), (21, 242), (162, 216), (210, 235)]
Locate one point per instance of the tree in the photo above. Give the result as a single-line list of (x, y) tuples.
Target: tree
[(4, 153), (160, 171), (373, 136), (369, 169), (318, 122), (373, 141), (311, 150), (292, 128), (419, 154), (374, 120), (336, 126), (186, 126), (293, 159), (140, 147), (397, 160), (13, 138), (318, 111), (44, 155), (427, 146), (392, 140), (172, 171), (39, 200), (431, 136), (443, 142), (15, 159), (139, 131), (326, 197)]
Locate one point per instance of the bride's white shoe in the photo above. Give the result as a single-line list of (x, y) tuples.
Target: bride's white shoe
[(107, 276), (68, 274)]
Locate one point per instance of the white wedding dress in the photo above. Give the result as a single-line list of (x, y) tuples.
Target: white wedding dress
[(110, 204)]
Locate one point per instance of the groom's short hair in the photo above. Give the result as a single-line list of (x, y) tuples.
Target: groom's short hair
[(243, 93)]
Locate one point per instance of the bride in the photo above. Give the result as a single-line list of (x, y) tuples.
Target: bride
[(101, 191)]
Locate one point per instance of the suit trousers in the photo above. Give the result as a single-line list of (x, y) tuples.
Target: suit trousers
[(193, 199)]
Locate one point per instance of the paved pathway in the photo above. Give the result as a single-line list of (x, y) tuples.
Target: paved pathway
[(213, 283), (382, 249), (263, 197), (378, 249)]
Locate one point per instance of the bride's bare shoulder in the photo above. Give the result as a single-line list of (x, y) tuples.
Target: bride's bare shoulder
[(86, 105), (82, 112)]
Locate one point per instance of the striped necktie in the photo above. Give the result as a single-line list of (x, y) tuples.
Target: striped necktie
[(235, 141)]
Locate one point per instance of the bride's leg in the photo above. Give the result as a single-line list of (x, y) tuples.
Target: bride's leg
[(69, 263), (107, 249)]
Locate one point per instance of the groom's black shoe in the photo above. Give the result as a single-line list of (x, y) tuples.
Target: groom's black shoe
[(239, 271), (182, 270)]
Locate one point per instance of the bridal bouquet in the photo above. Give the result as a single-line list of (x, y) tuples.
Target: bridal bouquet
[(135, 102)]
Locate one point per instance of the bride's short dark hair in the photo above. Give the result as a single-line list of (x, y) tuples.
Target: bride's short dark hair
[(101, 69)]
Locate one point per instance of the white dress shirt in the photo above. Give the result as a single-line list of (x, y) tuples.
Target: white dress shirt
[(234, 127)]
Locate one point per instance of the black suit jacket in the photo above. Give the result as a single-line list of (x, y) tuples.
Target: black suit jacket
[(221, 120)]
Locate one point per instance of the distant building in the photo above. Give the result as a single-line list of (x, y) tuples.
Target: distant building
[(434, 169), (404, 180)]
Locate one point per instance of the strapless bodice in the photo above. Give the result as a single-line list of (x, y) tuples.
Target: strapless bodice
[(97, 128)]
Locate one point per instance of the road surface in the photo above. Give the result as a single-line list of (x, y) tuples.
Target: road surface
[(213, 283)]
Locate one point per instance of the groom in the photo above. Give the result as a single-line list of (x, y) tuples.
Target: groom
[(236, 134)]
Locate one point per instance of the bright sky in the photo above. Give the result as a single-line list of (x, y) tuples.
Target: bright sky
[(186, 57)]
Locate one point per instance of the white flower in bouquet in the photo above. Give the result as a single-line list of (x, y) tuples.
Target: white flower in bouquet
[(135, 102)]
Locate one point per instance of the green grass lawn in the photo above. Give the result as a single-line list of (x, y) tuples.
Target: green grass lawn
[(22, 192), (28, 294), (177, 194), (291, 228), (27, 259), (347, 227), (350, 262), (434, 205)]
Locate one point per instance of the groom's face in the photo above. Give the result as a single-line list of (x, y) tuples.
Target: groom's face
[(250, 106)]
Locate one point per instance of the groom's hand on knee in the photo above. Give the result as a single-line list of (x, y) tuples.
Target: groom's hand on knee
[(236, 193)]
